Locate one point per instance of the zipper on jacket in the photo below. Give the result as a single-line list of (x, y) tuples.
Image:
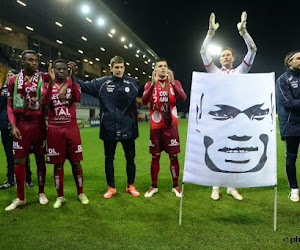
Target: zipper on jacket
[(101, 118), (289, 117)]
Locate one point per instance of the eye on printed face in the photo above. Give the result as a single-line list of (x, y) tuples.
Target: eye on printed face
[(118, 69), (231, 147)]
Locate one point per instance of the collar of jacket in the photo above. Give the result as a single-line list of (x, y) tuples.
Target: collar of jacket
[(113, 78), (293, 72)]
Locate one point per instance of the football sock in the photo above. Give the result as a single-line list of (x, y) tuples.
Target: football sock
[(20, 172), (174, 169), (154, 169)]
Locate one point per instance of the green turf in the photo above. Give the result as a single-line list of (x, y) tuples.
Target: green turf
[(126, 222)]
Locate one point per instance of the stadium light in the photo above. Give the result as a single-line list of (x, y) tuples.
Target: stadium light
[(214, 50), (22, 3), (85, 9), (113, 31), (100, 21), (29, 28), (110, 35), (86, 60), (89, 20), (58, 24), (59, 41), (127, 64), (137, 55), (130, 45), (123, 39), (138, 51), (90, 62), (80, 51), (97, 59), (125, 46), (136, 69), (8, 28), (84, 38), (102, 49)]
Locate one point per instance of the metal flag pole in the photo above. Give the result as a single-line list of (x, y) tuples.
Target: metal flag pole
[(181, 202), (275, 207)]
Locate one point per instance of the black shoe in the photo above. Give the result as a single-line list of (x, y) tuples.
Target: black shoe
[(6, 184), (29, 184)]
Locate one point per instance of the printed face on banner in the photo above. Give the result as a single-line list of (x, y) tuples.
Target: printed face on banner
[(235, 131)]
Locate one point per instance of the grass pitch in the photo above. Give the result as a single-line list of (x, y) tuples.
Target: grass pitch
[(124, 222)]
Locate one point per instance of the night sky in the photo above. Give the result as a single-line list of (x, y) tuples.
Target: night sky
[(175, 30)]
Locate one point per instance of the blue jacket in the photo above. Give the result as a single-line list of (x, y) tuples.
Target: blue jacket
[(118, 114), (4, 123), (288, 103)]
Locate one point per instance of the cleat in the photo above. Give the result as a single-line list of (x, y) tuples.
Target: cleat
[(215, 194), (177, 191), (29, 184), (15, 203), (43, 199), (151, 192), (110, 192), (235, 194), (7, 184), (131, 189), (59, 202), (294, 195), (83, 199)]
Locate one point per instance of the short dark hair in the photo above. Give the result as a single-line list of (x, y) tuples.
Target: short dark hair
[(59, 61), (227, 48), (14, 71), (161, 60), (288, 56), (28, 51), (116, 59)]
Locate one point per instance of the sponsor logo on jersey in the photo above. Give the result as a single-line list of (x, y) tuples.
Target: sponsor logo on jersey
[(52, 152), (173, 143), (79, 149), (16, 145)]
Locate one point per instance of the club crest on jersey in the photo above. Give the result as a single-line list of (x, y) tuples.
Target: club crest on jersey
[(174, 112), (151, 144), (156, 116), (127, 89)]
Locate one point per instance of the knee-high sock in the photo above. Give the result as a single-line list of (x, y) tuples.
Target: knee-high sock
[(41, 173), (59, 181), (154, 169), (174, 168), (20, 171), (78, 177)]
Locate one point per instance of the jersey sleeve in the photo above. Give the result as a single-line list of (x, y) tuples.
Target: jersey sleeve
[(206, 58), (245, 66), (147, 93), (179, 92)]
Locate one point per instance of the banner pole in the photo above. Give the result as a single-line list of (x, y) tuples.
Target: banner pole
[(181, 202), (275, 207)]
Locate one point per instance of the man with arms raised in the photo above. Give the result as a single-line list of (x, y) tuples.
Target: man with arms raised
[(162, 93), (226, 60), (62, 124)]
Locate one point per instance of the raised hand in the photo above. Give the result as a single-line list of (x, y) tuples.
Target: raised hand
[(51, 73), (154, 78), (213, 26), (241, 26)]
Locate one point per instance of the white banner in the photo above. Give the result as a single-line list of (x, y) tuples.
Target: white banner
[(231, 139)]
